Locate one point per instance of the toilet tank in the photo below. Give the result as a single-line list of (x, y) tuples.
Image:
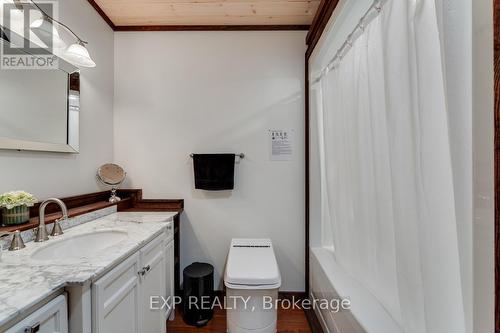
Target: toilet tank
[(251, 263)]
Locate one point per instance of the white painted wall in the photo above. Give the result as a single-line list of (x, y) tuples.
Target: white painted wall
[(183, 92), (54, 174)]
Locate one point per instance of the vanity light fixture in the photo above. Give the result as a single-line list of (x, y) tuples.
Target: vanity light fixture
[(46, 30), (76, 53)]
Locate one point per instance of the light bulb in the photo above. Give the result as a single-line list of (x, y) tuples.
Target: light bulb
[(78, 55)]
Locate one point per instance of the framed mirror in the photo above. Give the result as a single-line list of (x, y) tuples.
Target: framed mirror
[(40, 107)]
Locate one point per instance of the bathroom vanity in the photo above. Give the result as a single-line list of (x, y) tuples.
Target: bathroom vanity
[(102, 272)]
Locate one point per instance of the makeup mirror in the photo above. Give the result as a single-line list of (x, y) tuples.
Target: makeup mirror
[(111, 175)]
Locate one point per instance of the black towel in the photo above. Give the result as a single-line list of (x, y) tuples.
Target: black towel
[(214, 172)]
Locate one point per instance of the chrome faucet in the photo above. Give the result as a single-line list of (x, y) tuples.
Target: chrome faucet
[(41, 232)]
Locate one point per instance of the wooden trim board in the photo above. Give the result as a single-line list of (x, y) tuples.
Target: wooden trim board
[(85, 203), (210, 27), (319, 23), (101, 12), (51, 217), (307, 175)]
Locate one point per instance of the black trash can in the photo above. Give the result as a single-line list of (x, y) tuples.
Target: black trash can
[(198, 294)]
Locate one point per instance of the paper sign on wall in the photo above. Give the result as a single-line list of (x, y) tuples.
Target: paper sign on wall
[(281, 145)]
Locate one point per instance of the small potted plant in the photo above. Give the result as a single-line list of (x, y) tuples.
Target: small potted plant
[(15, 207)]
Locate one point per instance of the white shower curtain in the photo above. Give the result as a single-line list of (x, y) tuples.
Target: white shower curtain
[(387, 188)]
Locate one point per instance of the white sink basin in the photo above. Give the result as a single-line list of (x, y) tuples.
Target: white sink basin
[(78, 246)]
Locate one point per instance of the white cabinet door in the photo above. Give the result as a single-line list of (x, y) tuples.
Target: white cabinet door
[(121, 300), (169, 278), (153, 285), (115, 299), (50, 318)]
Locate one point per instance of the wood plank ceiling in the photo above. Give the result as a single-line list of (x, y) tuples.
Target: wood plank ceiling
[(141, 13)]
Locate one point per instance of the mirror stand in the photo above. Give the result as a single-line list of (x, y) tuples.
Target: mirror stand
[(114, 198)]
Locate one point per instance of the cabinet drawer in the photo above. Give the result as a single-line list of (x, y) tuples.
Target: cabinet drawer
[(50, 318), (150, 251)]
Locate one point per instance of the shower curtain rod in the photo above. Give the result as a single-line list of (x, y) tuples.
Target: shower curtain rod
[(376, 6)]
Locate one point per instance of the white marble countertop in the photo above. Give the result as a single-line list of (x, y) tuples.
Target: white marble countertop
[(24, 281)]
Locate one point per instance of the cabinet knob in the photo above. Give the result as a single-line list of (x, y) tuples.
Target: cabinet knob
[(144, 270)]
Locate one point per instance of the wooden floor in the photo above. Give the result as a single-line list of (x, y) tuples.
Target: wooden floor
[(289, 321)]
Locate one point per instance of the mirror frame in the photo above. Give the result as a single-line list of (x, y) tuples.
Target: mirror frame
[(72, 144)]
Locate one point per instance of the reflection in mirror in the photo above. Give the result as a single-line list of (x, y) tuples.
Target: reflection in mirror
[(40, 108), (74, 111), (33, 105)]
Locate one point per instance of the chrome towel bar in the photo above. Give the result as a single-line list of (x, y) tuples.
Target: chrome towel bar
[(240, 155)]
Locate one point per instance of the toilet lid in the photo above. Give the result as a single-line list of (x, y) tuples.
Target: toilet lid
[(251, 262)]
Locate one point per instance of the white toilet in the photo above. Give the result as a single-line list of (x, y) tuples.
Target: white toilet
[(252, 281)]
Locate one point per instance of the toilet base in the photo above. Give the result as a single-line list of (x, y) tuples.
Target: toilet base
[(233, 328), (254, 316)]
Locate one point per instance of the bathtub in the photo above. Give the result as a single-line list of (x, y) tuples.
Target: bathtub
[(327, 280)]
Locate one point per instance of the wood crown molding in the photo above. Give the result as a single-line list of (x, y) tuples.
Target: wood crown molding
[(210, 27), (102, 14), (318, 25)]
